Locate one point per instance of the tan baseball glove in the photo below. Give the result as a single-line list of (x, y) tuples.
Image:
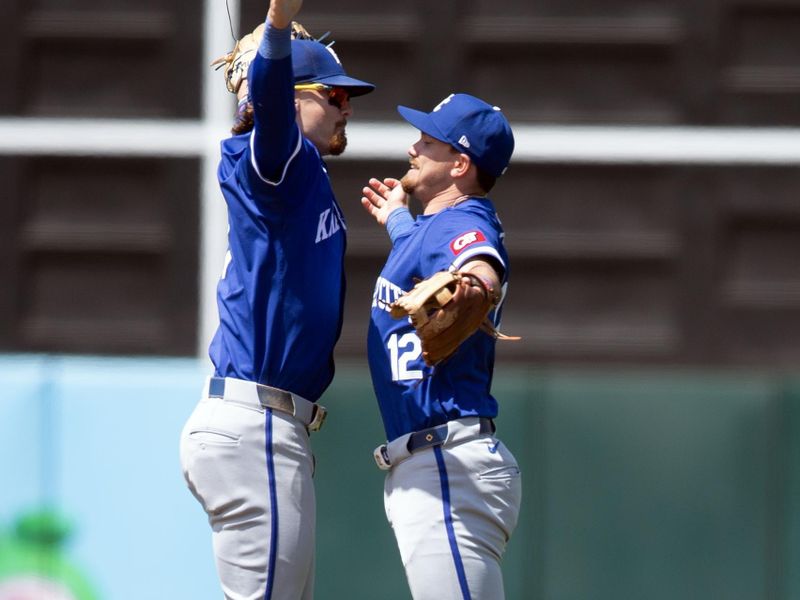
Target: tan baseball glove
[(237, 61), (446, 309)]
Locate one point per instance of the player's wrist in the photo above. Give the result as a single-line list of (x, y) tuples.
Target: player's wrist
[(276, 43), (399, 223), (485, 286)]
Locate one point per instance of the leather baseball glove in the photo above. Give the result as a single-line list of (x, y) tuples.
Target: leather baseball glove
[(446, 309), (237, 61)]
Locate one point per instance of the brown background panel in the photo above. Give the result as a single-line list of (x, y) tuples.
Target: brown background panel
[(96, 59), (762, 258), (82, 5), (9, 247), (577, 8), (598, 311), (766, 338), (763, 35), (114, 193), (681, 62), (768, 192), (760, 76), (120, 75), (589, 199), (759, 275), (107, 256), (12, 60), (770, 108), (82, 302), (632, 62), (587, 84), (759, 239), (395, 84), (595, 262)]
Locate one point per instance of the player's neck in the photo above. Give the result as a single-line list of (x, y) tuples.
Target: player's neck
[(449, 200)]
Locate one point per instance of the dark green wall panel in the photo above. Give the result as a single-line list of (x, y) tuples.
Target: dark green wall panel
[(659, 484)]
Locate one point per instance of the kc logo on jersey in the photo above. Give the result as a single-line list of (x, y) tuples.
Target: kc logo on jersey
[(466, 239)]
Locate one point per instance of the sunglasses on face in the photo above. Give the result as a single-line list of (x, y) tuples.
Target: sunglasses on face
[(336, 96)]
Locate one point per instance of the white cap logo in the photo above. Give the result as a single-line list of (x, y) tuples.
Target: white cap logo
[(329, 49), (463, 141), (442, 103)]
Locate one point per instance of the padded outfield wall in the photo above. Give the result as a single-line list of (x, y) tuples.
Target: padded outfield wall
[(656, 484)]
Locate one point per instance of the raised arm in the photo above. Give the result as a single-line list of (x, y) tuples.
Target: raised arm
[(276, 136), (281, 13)]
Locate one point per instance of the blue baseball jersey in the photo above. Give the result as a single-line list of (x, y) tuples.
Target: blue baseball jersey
[(411, 395), (281, 295)]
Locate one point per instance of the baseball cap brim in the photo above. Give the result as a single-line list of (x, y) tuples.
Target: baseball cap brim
[(355, 87), (423, 122)]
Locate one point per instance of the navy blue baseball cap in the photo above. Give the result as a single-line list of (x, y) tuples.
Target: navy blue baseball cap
[(469, 125), (313, 62)]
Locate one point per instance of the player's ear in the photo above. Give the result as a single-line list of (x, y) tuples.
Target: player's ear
[(461, 165)]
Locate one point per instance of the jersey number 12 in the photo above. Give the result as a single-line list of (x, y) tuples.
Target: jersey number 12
[(401, 352)]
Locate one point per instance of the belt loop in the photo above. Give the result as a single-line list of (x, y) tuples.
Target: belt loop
[(216, 387), (381, 456), (318, 419)]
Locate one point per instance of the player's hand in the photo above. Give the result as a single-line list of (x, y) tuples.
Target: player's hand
[(382, 197), (282, 12)]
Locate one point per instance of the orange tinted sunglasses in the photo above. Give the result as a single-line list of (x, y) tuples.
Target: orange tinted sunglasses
[(337, 96)]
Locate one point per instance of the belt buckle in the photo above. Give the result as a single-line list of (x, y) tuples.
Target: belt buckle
[(381, 456), (320, 412)]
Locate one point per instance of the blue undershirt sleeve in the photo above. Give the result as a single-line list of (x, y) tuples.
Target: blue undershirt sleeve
[(399, 223), (271, 80)]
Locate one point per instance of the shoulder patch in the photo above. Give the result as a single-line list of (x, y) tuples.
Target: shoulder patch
[(466, 239)]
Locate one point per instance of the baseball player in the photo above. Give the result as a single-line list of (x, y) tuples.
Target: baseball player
[(452, 490), (245, 449)]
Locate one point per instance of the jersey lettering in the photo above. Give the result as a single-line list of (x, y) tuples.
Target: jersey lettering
[(329, 223), (466, 239), (385, 293)]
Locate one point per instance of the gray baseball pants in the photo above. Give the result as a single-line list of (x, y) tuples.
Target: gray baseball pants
[(251, 470)]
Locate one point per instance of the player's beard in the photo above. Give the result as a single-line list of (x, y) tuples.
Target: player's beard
[(338, 142), (409, 182)]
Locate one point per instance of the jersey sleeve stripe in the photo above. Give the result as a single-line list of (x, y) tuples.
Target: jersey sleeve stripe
[(472, 253), (285, 167)]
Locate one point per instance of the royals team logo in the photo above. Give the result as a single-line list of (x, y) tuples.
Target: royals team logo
[(465, 240)]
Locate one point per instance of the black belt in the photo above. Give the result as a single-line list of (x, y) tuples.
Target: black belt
[(434, 436)]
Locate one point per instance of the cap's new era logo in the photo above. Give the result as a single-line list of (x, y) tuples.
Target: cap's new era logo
[(463, 141)]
